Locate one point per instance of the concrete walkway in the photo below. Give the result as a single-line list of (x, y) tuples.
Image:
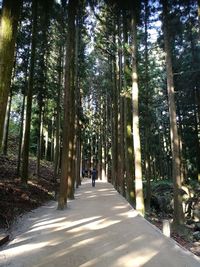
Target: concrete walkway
[(97, 229)]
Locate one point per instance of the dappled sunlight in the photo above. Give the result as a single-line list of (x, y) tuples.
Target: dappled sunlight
[(86, 181), (72, 224), (20, 240), (118, 207), (108, 190), (42, 218), (122, 254), (101, 224), (128, 214), (93, 196), (50, 206), (98, 229), (18, 250), (103, 189), (48, 222), (134, 258), (132, 214), (103, 181), (137, 259), (87, 192), (84, 242), (109, 194), (47, 226)]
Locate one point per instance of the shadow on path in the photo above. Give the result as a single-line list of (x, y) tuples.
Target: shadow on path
[(98, 229)]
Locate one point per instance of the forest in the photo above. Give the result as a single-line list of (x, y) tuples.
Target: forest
[(111, 85)]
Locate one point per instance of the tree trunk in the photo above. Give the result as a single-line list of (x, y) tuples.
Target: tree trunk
[(197, 131), (52, 138), (104, 148), (67, 133), (77, 108), (21, 134), (39, 140), (100, 146), (196, 103), (72, 120), (115, 132), (147, 115), (128, 140), (136, 133), (6, 126), (106, 136), (78, 159), (178, 218), (57, 141), (25, 154), (21, 139), (8, 32), (120, 116), (180, 133), (199, 16), (46, 137)]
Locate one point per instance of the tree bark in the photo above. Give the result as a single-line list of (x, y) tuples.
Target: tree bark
[(198, 1), (6, 125), (120, 115), (39, 140), (8, 32), (25, 154), (136, 132), (77, 106), (46, 137), (21, 134), (52, 138), (147, 117), (57, 141), (115, 125), (128, 140), (72, 119), (178, 218), (195, 89), (66, 162)]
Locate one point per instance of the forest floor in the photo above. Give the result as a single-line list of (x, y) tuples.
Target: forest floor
[(189, 244), (17, 199)]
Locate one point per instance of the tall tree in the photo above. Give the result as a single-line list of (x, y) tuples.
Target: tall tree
[(45, 9), (8, 31), (67, 151), (178, 211), (147, 115), (121, 155), (6, 125), (129, 167), (25, 156), (199, 16), (136, 132), (57, 143)]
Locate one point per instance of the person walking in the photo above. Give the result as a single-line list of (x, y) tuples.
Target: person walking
[(94, 176)]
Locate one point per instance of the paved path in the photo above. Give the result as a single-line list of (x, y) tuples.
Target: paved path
[(98, 229)]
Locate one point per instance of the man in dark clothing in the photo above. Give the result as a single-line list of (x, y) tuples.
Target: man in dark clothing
[(94, 176), (83, 173)]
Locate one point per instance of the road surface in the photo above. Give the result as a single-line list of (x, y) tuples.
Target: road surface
[(98, 229)]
